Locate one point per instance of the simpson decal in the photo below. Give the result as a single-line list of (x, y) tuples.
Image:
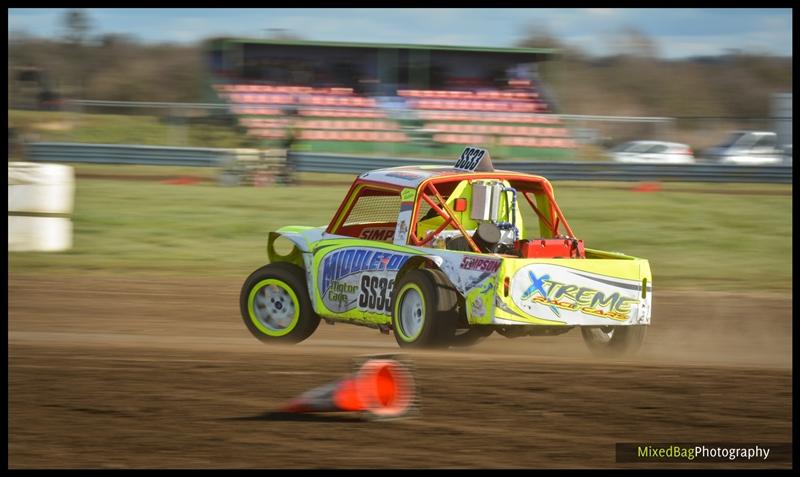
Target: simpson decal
[(481, 264), (381, 234)]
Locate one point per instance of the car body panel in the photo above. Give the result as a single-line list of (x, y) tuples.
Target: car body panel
[(351, 278)]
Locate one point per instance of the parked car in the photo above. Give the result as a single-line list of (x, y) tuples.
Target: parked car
[(747, 148), (439, 255), (787, 154), (653, 152)]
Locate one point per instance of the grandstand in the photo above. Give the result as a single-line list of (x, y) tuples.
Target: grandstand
[(395, 99)]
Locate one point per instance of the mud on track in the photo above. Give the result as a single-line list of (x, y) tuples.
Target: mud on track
[(125, 372)]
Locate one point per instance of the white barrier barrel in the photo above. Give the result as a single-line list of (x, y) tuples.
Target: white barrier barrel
[(40, 200), (39, 234)]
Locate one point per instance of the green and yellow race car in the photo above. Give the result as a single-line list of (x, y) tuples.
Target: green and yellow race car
[(444, 256)]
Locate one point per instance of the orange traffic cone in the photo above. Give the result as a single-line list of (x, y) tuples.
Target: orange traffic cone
[(647, 187), (381, 388)]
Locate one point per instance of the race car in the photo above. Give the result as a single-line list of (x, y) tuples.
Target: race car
[(444, 256)]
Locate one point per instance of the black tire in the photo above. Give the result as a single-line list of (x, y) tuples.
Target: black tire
[(471, 336), (434, 323), (614, 341), (283, 277)]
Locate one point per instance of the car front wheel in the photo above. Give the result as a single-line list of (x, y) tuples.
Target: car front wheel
[(275, 305)]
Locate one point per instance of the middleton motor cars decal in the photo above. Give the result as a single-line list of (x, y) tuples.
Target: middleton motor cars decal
[(359, 277)]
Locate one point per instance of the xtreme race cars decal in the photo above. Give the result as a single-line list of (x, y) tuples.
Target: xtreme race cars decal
[(554, 292)]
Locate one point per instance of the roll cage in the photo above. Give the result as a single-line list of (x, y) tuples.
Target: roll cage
[(435, 192)]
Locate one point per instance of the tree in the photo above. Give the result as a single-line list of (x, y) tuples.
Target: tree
[(75, 53), (537, 35), (77, 25)]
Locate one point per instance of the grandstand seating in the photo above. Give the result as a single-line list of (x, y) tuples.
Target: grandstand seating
[(483, 100), (497, 130), (322, 110), (338, 113), (487, 117), (461, 105), (501, 117), (306, 99), (490, 94)]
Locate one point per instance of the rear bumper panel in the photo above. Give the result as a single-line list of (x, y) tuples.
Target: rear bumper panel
[(587, 292)]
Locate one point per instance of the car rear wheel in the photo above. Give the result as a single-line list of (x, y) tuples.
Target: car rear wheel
[(423, 310), (471, 337), (275, 305), (614, 341)]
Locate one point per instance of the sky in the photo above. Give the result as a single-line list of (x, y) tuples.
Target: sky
[(677, 33)]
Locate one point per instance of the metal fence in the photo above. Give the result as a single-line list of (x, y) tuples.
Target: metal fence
[(580, 171), (127, 154), (347, 164)]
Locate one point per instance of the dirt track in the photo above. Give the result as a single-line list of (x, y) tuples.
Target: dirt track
[(123, 372)]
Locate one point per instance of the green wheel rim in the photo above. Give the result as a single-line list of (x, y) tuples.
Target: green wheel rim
[(409, 310), (273, 307)]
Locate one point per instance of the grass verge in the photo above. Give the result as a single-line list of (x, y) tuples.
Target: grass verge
[(739, 240)]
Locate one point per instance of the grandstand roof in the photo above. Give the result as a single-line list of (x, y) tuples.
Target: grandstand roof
[(541, 52)]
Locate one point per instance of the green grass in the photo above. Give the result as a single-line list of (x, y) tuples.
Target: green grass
[(138, 226), (120, 129), (735, 239)]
